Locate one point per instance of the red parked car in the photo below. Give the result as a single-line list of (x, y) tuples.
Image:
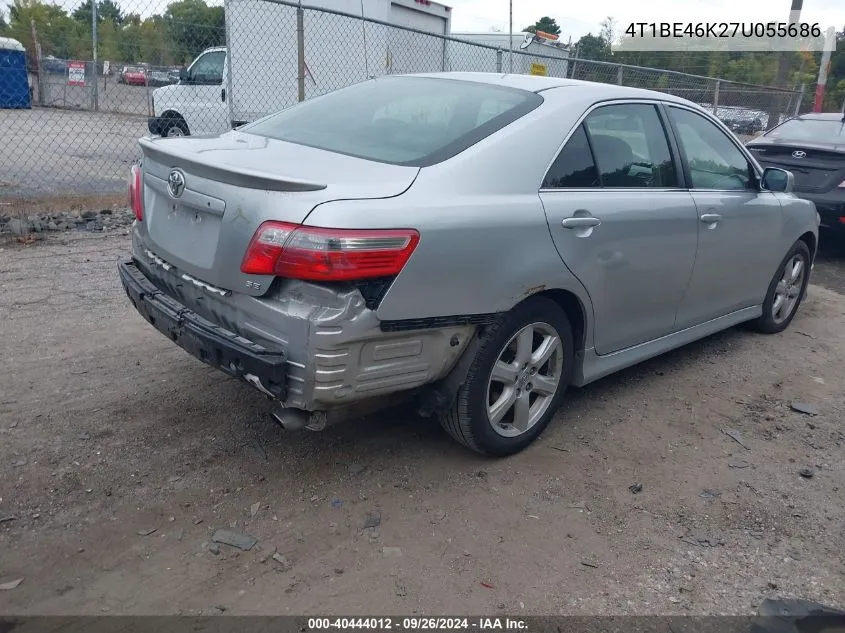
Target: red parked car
[(133, 76)]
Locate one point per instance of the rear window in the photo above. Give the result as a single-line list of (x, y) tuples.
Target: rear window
[(830, 131), (415, 121)]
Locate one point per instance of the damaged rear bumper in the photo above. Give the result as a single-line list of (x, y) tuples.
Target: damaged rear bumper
[(263, 368)]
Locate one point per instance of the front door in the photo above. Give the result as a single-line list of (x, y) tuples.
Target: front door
[(205, 107), (739, 225), (622, 224)]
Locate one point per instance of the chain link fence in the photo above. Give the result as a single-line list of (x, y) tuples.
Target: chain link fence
[(199, 69)]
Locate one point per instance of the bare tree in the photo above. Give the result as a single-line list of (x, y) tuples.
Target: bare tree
[(608, 30)]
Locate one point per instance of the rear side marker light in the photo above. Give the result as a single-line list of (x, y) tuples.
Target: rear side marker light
[(319, 254), (136, 200)]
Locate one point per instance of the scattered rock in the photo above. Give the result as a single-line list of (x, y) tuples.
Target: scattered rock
[(239, 540), (21, 462), (147, 532), (254, 508), (12, 584), (392, 552), (88, 215), (707, 493), (283, 560), (401, 590), (338, 570), (8, 518), (439, 515), (373, 519), (105, 211), (772, 585), (807, 473), (805, 408), (16, 226), (635, 488), (739, 464), (736, 436), (52, 226), (214, 548), (586, 564)]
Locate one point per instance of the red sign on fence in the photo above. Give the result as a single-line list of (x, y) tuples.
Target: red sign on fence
[(76, 73)]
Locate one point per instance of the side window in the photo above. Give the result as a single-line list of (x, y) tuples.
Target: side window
[(630, 146), (714, 161), (574, 167), (208, 69)]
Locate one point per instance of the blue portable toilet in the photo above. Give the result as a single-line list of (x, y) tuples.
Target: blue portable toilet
[(14, 82)]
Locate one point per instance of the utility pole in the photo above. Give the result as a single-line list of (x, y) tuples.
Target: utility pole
[(783, 65), (94, 42), (829, 45), (510, 39)]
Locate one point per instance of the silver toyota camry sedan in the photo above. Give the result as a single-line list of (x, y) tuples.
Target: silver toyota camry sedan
[(475, 242)]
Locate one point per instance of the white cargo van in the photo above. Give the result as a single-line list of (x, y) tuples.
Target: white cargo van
[(261, 39)]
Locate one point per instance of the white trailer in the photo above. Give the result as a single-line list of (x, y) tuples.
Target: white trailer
[(257, 72), (532, 54), (340, 49)]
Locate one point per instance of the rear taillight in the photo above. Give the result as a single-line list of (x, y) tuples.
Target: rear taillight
[(317, 254), (136, 200)]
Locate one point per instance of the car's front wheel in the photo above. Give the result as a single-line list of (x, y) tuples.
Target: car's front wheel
[(786, 290), (516, 381)]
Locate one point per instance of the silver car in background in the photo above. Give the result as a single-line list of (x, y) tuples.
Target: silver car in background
[(477, 242)]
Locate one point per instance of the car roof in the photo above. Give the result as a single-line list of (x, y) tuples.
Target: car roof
[(536, 83)]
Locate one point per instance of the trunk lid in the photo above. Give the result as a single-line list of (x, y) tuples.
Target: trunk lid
[(817, 168), (228, 185)]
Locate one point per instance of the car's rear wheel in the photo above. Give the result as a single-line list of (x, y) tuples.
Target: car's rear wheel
[(786, 290), (515, 382)]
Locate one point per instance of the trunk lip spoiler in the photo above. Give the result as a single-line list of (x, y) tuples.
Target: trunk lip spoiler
[(230, 174)]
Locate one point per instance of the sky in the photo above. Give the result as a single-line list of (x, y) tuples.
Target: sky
[(579, 18)]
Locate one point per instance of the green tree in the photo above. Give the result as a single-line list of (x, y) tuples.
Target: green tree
[(56, 30), (193, 26), (592, 47), (107, 10), (544, 24)]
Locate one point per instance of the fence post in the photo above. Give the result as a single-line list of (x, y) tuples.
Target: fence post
[(800, 100), (39, 67), (300, 51), (94, 85), (619, 76), (716, 98), (499, 61)]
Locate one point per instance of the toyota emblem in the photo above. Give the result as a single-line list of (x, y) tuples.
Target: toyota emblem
[(799, 154), (176, 183)]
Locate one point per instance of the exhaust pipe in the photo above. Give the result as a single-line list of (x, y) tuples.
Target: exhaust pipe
[(291, 419)]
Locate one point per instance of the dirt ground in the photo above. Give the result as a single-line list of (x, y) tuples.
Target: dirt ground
[(108, 431)]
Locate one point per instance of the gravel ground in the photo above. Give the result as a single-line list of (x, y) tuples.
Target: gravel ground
[(120, 456)]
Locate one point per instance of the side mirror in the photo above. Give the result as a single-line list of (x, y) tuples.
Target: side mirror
[(183, 75), (777, 180)]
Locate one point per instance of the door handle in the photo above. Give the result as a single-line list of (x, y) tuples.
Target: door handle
[(710, 218), (580, 222), (223, 94)]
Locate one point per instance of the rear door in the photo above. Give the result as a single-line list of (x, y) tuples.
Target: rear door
[(622, 223), (739, 225)]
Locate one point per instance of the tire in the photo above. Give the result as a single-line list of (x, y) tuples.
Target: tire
[(469, 420), (173, 126), (791, 291)]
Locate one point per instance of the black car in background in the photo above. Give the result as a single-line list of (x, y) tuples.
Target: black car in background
[(812, 147)]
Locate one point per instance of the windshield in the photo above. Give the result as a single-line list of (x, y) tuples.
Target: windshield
[(819, 130), (413, 121)]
